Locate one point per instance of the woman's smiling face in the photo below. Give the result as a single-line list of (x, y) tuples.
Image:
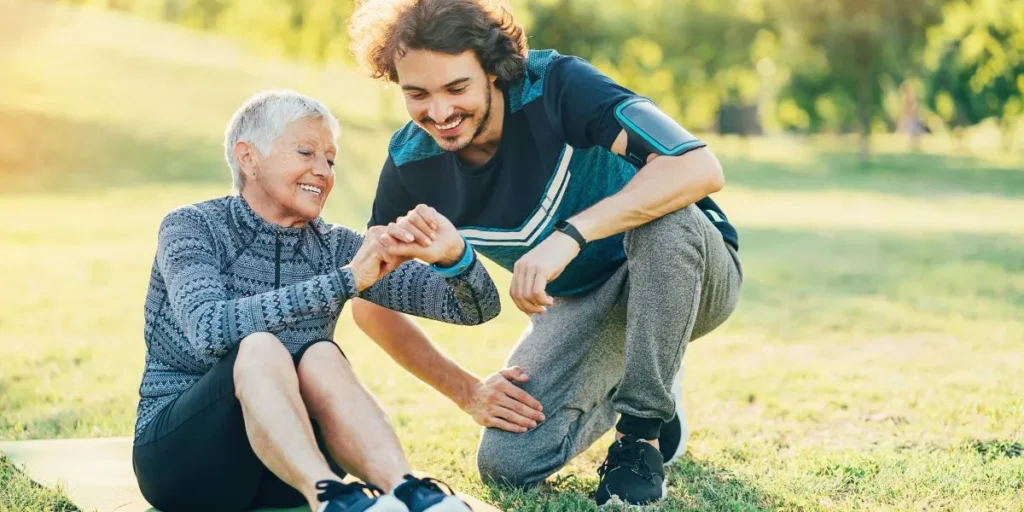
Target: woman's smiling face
[(291, 183)]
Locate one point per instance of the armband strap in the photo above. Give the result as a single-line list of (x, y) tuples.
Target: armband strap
[(651, 131)]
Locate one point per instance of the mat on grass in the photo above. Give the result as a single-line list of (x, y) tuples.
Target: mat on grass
[(97, 473)]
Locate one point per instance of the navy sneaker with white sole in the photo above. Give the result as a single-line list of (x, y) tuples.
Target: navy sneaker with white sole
[(674, 433), (355, 497), (426, 495)]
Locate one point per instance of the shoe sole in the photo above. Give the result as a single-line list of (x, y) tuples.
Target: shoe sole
[(628, 506), (684, 434), (388, 503), (449, 504)]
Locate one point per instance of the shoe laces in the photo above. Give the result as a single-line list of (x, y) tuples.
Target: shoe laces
[(330, 489), (405, 491), (629, 453)]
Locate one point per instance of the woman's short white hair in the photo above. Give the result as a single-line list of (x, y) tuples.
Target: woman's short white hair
[(264, 117)]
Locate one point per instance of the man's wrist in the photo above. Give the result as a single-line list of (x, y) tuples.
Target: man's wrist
[(571, 229), (464, 391)]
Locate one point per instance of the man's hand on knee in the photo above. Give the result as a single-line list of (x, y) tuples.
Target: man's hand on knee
[(498, 403)]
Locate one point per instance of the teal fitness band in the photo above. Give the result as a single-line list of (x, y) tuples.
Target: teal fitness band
[(458, 268)]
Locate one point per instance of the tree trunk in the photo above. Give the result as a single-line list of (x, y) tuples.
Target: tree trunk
[(1008, 130), (864, 53), (865, 49)]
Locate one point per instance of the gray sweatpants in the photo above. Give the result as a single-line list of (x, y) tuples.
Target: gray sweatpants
[(616, 349)]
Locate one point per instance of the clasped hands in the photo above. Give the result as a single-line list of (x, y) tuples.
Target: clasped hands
[(422, 234), (425, 234)]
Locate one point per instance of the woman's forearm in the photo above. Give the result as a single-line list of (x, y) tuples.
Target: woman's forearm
[(468, 299), (212, 320), (410, 347)]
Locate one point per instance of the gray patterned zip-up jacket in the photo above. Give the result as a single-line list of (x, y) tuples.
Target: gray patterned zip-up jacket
[(221, 273)]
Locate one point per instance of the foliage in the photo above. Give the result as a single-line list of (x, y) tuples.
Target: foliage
[(977, 60), (805, 65), (873, 362)]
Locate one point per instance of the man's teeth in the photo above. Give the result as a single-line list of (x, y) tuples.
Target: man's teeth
[(311, 189), (450, 125)]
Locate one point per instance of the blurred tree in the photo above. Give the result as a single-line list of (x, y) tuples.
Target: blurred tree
[(976, 63), (807, 65), (689, 56), (844, 53)]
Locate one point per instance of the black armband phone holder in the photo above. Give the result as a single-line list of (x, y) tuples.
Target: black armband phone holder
[(651, 131)]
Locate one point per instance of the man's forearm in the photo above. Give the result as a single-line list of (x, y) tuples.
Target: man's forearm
[(664, 185), (410, 347)]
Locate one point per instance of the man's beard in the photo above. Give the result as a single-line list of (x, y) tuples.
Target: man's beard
[(481, 126)]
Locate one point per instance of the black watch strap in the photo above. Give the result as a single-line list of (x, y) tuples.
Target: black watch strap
[(571, 230)]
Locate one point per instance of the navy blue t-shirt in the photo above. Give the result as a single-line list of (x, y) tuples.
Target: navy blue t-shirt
[(553, 161)]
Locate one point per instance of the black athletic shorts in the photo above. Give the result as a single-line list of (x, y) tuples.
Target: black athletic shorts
[(195, 455)]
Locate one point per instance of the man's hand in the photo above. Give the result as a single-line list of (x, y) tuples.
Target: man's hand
[(532, 273), (372, 261), (497, 402), (425, 234)]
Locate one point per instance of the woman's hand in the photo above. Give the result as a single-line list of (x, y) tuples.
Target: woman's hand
[(425, 234), (373, 261)]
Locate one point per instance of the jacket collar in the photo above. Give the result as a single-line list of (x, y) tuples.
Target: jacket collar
[(251, 221)]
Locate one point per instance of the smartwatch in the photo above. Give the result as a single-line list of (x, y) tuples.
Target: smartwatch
[(573, 233)]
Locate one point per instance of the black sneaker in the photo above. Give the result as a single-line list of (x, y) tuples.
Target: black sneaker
[(674, 433), (355, 497), (634, 471), (425, 495)]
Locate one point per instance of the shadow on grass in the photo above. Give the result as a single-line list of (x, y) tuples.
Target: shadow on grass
[(693, 485), (910, 174), (18, 492)]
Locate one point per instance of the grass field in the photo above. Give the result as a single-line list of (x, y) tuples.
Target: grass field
[(874, 363)]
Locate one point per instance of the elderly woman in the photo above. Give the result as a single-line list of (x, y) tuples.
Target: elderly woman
[(245, 399)]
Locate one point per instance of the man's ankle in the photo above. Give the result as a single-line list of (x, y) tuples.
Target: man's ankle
[(652, 442), (641, 428)]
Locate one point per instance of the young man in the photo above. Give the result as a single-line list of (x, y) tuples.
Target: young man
[(593, 198)]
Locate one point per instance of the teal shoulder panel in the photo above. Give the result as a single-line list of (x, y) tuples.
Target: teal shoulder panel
[(531, 85), (411, 143)]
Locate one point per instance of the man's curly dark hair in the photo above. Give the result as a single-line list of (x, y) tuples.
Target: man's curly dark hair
[(381, 31)]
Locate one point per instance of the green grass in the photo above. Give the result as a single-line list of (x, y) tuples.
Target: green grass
[(19, 493), (874, 362)]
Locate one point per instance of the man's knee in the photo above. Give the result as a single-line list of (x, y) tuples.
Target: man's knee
[(680, 224), (261, 355), (510, 459), (682, 227), (498, 464)]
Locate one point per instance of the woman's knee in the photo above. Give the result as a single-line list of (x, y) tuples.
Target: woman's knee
[(261, 356), (367, 314)]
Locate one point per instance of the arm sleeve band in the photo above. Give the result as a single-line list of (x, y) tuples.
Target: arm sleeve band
[(651, 131)]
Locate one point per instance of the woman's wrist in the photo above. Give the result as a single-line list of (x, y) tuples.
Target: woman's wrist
[(452, 267), (453, 258), (362, 282)]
